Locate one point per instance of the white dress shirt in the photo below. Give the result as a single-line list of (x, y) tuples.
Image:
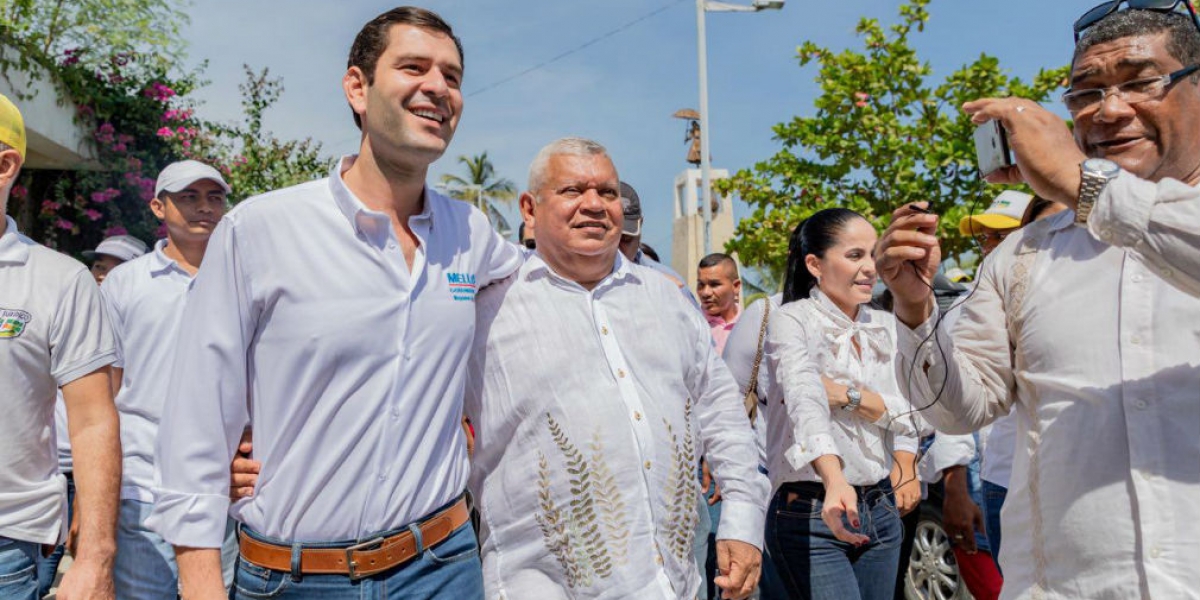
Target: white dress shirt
[(145, 299), (591, 410), (1092, 338), (305, 322), (811, 337), (52, 331)]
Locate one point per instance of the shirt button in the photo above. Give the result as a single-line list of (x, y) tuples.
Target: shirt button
[(1135, 340), (392, 245), (658, 558), (621, 373), (382, 477), (637, 415), (1137, 278), (1147, 475), (1140, 404), (1167, 272), (647, 465), (396, 412), (603, 330), (1155, 552)]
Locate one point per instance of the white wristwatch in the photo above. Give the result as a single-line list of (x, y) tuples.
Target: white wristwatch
[(1097, 172)]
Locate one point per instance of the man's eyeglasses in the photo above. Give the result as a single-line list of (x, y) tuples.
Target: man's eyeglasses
[(1130, 92), (1093, 16)]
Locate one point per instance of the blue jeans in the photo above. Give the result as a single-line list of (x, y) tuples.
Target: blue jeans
[(449, 571), (18, 569), (48, 567), (815, 565), (993, 501), (145, 564)]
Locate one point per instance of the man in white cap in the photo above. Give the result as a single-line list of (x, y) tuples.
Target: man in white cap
[(53, 334), (145, 299), (111, 252)]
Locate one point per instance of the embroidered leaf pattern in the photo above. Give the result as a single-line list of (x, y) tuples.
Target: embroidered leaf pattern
[(576, 534), (552, 523), (612, 506), (680, 494)]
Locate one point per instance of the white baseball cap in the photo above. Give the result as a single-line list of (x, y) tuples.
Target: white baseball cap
[(178, 175), (124, 247)]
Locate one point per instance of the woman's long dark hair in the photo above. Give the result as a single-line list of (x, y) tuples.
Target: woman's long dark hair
[(814, 235)]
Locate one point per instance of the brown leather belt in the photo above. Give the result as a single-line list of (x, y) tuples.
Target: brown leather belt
[(358, 560)]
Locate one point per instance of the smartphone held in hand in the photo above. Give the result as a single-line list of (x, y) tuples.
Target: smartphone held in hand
[(991, 148)]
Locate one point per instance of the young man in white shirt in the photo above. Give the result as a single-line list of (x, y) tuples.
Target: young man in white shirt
[(111, 252), (335, 317), (594, 387), (53, 334), (1084, 323), (145, 298)]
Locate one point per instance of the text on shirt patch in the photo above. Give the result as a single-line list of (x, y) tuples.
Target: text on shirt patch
[(462, 286), (13, 322)]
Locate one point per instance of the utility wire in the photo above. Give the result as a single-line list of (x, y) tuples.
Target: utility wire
[(586, 44)]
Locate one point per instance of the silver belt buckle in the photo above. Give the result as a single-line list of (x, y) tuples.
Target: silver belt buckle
[(350, 564)]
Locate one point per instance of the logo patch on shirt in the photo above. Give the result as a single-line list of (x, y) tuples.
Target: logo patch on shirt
[(13, 322), (462, 286)]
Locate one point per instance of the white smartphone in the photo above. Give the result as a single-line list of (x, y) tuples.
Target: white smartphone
[(991, 148)]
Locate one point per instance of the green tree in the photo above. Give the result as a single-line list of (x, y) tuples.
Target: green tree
[(883, 135), (252, 159), (92, 31), (481, 187)]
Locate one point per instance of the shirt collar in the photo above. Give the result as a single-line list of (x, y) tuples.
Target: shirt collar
[(835, 313), (715, 320), (536, 267), (13, 249), (372, 224), (160, 263)]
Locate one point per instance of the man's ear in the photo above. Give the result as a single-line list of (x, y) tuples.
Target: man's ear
[(354, 85), (526, 203), (10, 166), (158, 206)]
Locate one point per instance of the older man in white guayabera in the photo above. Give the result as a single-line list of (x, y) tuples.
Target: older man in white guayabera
[(595, 387)]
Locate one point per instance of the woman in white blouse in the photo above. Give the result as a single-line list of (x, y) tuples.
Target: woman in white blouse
[(833, 529)]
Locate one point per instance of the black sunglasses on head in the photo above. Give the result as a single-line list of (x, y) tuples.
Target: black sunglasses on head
[(1091, 17)]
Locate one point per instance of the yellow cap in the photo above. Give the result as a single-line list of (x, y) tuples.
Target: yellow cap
[(12, 126)]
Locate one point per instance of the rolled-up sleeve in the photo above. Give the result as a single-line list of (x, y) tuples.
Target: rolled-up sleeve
[(729, 443), (799, 379), (1158, 220), (961, 381), (207, 404)]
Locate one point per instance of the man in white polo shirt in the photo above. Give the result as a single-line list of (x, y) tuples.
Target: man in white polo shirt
[(53, 334), (111, 252), (336, 317), (145, 299)]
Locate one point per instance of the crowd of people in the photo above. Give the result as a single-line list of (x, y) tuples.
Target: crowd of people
[(355, 387)]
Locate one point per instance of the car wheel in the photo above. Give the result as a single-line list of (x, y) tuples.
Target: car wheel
[(932, 573)]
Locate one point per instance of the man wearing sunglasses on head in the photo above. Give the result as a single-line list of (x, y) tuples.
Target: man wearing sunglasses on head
[(1085, 323)]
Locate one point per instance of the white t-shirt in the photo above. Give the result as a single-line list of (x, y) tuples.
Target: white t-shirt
[(52, 331)]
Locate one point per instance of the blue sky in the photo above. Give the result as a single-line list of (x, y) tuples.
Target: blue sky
[(620, 91)]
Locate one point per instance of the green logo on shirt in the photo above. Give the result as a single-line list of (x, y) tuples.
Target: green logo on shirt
[(12, 323)]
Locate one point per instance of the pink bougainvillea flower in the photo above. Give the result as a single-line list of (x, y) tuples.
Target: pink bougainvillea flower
[(165, 132), (93, 214), (115, 230), (64, 224)]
